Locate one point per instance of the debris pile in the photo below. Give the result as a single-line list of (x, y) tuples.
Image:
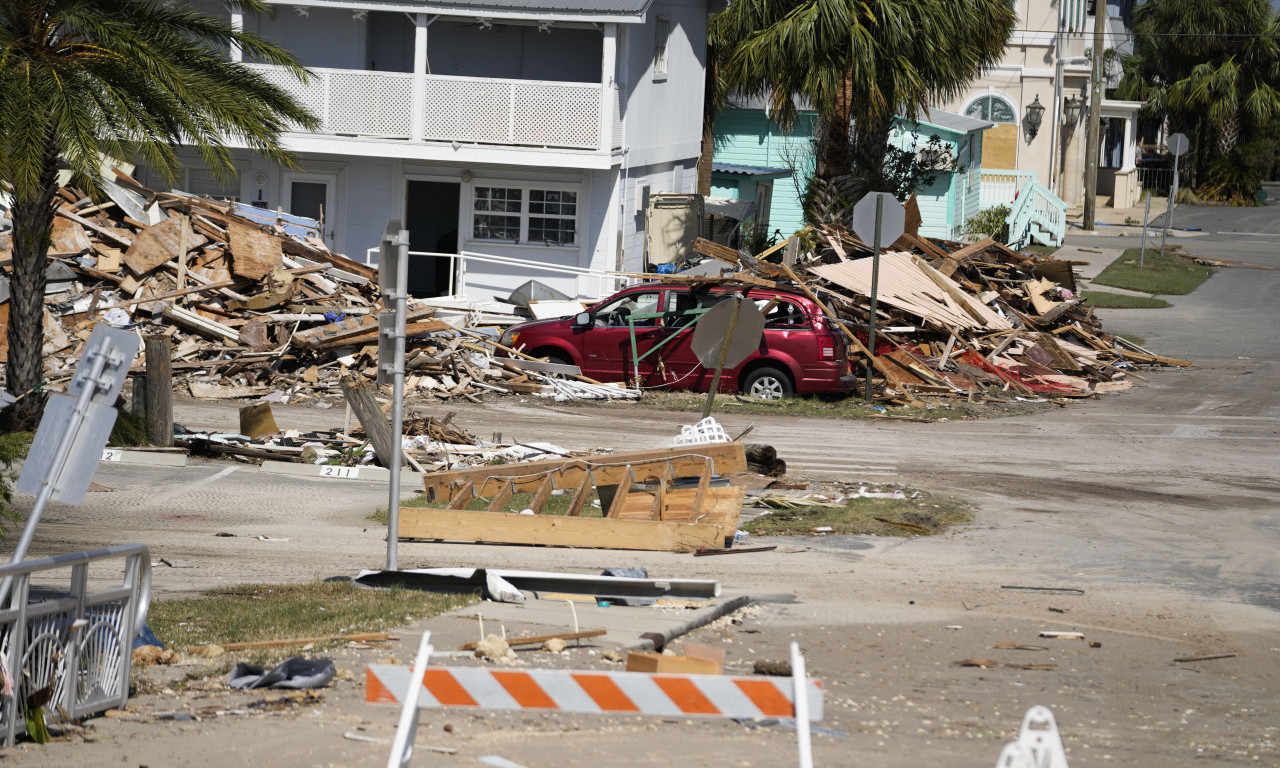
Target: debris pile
[(254, 303), (953, 320)]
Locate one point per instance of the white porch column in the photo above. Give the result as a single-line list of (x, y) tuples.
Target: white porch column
[(1130, 145), (237, 23), (419, 112), (608, 66)]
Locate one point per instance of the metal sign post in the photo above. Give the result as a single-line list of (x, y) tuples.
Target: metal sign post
[(725, 336), (1146, 216), (74, 429), (393, 280), (877, 218), (1177, 145)]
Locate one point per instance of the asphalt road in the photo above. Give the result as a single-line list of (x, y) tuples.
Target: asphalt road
[(1234, 314)]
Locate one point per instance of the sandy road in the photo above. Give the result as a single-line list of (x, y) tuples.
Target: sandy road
[(1160, 504)]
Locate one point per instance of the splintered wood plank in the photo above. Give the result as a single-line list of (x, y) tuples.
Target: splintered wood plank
[(544, 493), (499, 502), (557, 531), (68, 237), (620, 495), (463, 497), (157, 245), (580, 495), (253, 253)]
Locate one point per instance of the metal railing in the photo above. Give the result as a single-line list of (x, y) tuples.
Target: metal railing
[(1157, 179), (67, 641), (590, 284), (1037, 209)]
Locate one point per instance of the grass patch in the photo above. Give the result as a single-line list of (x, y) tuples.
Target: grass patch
[(922, 516), (1169, 274), (1108, 300), (256, 612)]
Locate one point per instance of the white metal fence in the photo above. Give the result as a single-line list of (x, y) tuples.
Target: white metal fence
[(68, 640), (1000, 187)]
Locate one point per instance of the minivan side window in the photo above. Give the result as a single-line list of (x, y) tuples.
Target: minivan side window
[(615, 313), (782, 314)]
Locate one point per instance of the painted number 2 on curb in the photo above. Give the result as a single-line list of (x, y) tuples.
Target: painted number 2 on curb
[(346, 472), (112, 454)]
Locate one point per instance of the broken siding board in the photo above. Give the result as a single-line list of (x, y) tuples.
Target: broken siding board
[(254, 254), (556, 531), (154, 246), (68, 237)]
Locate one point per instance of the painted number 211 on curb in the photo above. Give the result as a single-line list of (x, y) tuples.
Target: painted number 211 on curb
[(342, 472)]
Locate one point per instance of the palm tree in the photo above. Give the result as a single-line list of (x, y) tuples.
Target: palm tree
[(126, 78), (1208, 67), (856, 62)]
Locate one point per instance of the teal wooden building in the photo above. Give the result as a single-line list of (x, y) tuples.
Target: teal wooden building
[(755, 160)]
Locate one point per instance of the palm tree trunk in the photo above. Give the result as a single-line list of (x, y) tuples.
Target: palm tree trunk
[(708, 125), (869, 146), (832, 151), (32, 230)]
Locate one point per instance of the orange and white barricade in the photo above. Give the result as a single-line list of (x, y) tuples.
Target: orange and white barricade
[(591, 692)]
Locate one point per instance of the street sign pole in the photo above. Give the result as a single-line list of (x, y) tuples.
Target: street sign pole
[(1177, 145), (875, 286), (1146, 216), (724, 351), (73, 430), (393, 280), (877, 218)]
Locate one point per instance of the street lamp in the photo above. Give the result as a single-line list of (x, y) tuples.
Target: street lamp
[(1035, 114), (1071, 113)]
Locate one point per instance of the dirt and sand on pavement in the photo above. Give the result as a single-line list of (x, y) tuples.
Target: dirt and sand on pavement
[(1147, 521)]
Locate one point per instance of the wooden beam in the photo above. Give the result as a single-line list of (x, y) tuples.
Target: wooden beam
[(609, 469), (557, 531), (540, 639), (386, 446)]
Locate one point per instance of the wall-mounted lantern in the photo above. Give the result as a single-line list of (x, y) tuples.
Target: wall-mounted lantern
[(1033, 118)]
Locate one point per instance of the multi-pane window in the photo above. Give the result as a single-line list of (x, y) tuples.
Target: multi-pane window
[(497, 213), (526, 215)]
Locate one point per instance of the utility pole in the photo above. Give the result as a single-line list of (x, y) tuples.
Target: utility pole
[(1091, 150)]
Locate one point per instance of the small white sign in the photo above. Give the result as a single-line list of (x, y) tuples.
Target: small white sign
[(340, 472), (112, 454)]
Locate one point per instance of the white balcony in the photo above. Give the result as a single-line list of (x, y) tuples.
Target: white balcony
[(467, 110)]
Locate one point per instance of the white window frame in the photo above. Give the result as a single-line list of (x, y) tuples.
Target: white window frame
[(526, 188), (661, 47)]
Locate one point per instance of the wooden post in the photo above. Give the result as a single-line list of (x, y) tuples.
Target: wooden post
[(159, 390), (360, 397)]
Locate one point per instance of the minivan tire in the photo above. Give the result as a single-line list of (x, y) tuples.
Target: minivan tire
[(767, 383)]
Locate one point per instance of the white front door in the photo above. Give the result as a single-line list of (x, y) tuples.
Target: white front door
[(313, 195)]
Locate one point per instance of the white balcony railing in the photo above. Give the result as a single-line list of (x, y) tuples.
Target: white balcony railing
[(531, 113)]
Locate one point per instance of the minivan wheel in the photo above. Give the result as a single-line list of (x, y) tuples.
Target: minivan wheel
[(558, 358), (767, 384)]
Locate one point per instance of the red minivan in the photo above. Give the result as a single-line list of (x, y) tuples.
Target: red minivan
[(801, 351)]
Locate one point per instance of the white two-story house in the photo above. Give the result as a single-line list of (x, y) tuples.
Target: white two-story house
[(531, 130)]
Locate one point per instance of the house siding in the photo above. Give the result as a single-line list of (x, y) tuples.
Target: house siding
[(748, 137)]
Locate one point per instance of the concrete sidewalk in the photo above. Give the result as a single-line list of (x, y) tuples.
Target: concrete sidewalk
[(1112, 222)]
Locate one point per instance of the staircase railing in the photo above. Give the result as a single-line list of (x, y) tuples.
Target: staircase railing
[(1037, 214)]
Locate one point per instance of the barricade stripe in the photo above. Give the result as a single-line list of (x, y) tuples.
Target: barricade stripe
[(724, 695), (375, 692), (606, 693), (527, 693), (644, 691), (771, 701), (685, 694), (448, 691), (566, 693)]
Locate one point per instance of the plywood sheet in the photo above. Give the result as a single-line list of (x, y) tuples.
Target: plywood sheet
[(156, 245), (254, 254)]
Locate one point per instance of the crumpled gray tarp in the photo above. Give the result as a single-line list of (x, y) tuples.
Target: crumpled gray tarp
[(294, 672)]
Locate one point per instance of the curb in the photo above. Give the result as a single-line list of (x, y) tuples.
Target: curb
[(702, 619)]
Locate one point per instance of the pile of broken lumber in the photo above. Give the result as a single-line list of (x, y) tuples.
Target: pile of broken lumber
[(252, 300), (953, 319)]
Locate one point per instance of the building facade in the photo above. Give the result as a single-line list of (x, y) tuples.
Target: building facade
[(1038, 99), (532, 131)]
